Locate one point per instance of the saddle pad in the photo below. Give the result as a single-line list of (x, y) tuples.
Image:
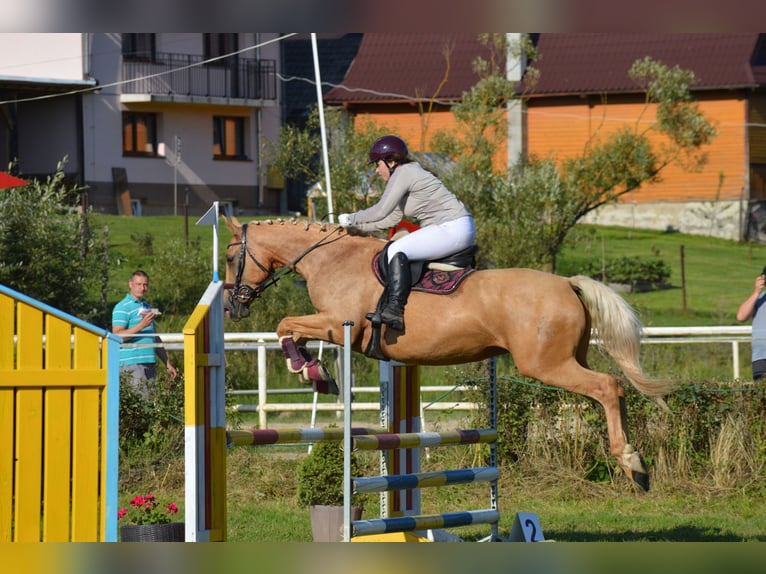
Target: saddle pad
[(433, 280)]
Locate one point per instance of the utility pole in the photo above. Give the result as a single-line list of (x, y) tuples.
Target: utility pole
[(175, 163)]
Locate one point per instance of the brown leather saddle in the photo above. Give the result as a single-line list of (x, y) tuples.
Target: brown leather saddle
[(438, 276)]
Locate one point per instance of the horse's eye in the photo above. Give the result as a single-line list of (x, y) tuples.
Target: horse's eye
[(229, 259)]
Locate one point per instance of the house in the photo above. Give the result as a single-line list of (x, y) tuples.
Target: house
[(584, 88), (150, 122), (408, 82)]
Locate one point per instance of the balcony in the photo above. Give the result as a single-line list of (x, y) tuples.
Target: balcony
[(183, 77)]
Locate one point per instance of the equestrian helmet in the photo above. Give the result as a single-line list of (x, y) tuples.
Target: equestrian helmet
[(387, 146)]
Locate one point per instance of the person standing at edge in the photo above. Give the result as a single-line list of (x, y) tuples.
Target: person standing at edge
[(134, 316), (752, 307)]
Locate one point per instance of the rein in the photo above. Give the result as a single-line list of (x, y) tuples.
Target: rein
[(244, 294)]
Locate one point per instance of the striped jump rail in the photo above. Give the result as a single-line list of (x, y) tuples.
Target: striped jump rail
[(425, 479), (424, 522), (389, 441), (258, 437)]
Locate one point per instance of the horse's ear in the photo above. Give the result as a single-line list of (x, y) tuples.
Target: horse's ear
[(233, 224)]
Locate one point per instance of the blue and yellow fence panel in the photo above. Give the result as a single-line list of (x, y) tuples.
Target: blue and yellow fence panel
[(205, 419), (59, 420)]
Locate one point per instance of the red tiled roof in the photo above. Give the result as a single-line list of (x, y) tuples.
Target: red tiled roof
[(599, 63), (402, 66)]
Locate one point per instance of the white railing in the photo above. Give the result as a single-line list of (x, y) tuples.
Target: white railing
[(261, 342)]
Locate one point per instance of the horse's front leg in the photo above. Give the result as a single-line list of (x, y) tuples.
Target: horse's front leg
[(293, 332)]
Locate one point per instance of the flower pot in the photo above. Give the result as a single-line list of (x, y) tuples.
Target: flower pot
[(171, 532), (327, 522)]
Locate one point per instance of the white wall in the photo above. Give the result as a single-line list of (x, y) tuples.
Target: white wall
[(41, 56)]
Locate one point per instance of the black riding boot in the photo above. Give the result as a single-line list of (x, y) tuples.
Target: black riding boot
[(399, 283)]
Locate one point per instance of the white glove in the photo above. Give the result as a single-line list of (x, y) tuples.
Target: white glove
[(344, 220)]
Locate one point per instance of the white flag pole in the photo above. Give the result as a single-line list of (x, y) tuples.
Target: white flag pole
[(322, 129), (211, 218)]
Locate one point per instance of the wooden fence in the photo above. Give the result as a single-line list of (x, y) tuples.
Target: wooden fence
[(59, 411)]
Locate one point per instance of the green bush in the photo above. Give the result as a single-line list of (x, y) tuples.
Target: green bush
[(629, 270), (47, 248), (320, 475)]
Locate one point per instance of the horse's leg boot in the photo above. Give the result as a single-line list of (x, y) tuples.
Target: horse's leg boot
[(316, 373), (399, 284), (297, 357)]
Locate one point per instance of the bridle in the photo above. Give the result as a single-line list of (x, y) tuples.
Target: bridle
[(243, 294)]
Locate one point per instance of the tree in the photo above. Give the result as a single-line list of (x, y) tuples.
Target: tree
[(46, 246), (525, 212), (298, 156)]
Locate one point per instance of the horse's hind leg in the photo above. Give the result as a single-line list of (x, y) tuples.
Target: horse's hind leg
[(605, 389)]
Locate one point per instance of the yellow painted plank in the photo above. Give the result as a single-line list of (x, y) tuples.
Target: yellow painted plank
[(56, 464), (58, 346), (85, 475), (7, 421), (29, 346), (7, 331), (29, 403), (86, 349), (52, 378)]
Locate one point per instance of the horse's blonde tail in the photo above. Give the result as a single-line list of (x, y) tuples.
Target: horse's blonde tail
[(619, 330)]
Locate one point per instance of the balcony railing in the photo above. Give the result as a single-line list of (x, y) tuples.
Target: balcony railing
[(185, 75)]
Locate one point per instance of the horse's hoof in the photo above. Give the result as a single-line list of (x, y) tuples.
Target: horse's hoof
[(641, 479), (635, 466), (326, 387)]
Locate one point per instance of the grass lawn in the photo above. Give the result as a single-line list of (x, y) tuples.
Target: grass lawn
[(715, 277)]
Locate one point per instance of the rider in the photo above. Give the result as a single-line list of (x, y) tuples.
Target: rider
[(411, 191)]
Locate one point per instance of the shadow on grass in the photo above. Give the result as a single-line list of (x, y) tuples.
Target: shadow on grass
[(677, 534)]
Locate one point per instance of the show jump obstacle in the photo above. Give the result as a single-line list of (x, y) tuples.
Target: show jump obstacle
[(399, 437), (59, 410)]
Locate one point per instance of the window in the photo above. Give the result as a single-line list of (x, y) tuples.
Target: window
[(218, 45), (139, 134), (228, 138), (138, 47)]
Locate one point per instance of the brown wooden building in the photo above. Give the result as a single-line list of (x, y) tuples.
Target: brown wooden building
[(585, 91)]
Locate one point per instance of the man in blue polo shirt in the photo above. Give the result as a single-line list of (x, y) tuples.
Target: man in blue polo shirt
[(134, 316)]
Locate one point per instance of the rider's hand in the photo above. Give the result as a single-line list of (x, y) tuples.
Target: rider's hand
[(344, 220)]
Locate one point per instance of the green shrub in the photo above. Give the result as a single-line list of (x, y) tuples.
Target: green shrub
[(320, 475), (47, 248), (629, 270)]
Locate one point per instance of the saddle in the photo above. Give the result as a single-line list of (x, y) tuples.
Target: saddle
[(439, 276)]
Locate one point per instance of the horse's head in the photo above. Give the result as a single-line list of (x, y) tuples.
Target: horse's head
[(245, 273)]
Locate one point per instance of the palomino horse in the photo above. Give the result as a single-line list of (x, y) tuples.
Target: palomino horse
[(542, 319)]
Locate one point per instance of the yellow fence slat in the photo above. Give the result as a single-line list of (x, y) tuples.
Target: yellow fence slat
[(85, 475), (29, 346), (7, 331), (57, 465), (7, 456), (86, 351), (29, 436), (57, 434)]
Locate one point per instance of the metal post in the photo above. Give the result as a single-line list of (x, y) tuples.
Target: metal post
[(347, 430)]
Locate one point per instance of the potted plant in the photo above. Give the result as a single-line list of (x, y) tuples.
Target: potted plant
[(145, 520), (320, 487)]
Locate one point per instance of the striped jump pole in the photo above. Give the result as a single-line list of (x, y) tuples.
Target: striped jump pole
[(259, 437), (423, 439), (425, 479), (430, 522)]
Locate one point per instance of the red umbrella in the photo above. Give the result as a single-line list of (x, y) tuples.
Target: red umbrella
[(8, 180)]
